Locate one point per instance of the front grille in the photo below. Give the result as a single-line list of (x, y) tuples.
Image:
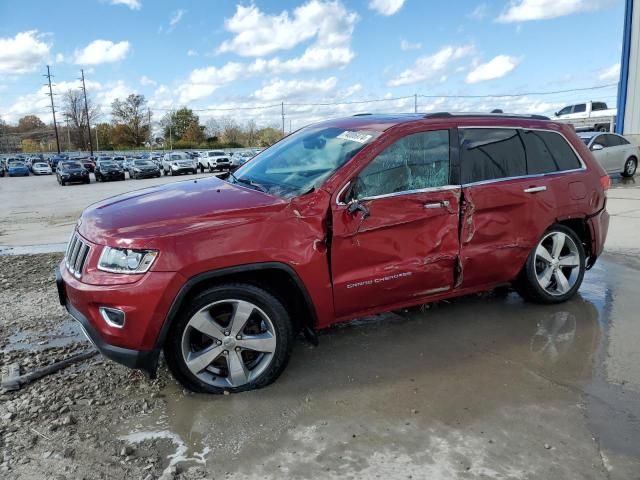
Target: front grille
[(76, 255)]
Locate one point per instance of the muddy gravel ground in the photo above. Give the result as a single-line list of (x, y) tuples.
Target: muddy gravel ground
[(481, 387), (59, 426)]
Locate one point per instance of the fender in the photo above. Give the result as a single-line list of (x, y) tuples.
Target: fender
[(253, 267)]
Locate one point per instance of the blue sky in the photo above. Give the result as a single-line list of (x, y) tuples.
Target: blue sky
[(225, 54)]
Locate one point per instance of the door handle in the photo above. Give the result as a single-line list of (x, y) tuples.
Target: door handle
[(441, 204), (535, 189)]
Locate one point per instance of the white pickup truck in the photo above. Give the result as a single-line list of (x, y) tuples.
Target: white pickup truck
[(214, 160), (588, 116)]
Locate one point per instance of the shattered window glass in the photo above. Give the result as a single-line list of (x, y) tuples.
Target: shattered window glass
[(414, 162)]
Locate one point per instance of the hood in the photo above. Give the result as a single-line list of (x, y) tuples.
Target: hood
[(173, 209)]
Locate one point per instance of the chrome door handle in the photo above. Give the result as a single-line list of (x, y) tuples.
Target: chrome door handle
[(442, 204), (535, 189)]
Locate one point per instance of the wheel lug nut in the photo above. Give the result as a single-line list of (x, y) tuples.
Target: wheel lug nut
[(226, 352), (227, 333), (239, 337), (237, 349)]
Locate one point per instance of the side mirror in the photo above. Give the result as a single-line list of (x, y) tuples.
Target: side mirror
[(355, 206), (596, 146)]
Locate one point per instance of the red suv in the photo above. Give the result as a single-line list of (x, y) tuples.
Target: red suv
[(340, 219)]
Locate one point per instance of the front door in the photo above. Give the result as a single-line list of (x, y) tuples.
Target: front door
[(396, 242)]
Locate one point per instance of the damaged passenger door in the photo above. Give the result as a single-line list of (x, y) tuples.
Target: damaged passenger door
[(395, 227)]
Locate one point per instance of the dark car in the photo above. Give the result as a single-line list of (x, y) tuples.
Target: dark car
[(143, 169), (107, 169), (88, 163), (342, 219), (72, 171), (54, 160)]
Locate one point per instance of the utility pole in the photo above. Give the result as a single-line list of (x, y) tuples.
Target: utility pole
[(86, 112), (53, 109), (282, 105), (68, 136), (149, 122), (97, 143), (415, 103)]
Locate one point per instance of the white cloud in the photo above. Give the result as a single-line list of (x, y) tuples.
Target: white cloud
[(479, 13), (102, 51), (258, 34), (146, 81), (23, 53), (132, 4), (59, 58), (527, 10), (386, 7), (610, 74), (175, 18), (497, 67), (407, 45), (429, 66), (281, 89), (192, 53)]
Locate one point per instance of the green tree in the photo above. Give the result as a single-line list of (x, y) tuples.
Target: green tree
[(268, 136), (176, 123), (134, 117), (105, 136)]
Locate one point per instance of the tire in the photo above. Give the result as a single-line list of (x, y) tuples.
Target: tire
[(62, 184), (602, 128), (547, 268), (258, 369), (630, 167), (210, 169), (87, 181)]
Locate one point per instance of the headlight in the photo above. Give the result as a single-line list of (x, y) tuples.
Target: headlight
[(174, 164), (137, 170), (125, 260)]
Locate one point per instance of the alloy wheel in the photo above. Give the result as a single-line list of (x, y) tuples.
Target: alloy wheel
[(630, 167), (557, 263), (228, 343)]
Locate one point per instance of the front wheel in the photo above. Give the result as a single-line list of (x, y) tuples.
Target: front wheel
[(630, 167), (554, 269), (232, 337)]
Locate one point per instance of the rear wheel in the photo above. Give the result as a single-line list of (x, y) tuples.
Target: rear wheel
[(554, 269), (630, 167), (232, 337)]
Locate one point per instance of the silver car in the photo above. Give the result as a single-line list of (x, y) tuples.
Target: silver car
[(613, 152)]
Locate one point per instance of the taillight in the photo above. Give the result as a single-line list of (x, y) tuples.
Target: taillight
[(605, 181)]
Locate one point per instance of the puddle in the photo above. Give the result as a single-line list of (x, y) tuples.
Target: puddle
[(484, 367), (32, 249), (180, 456), (33, 340)]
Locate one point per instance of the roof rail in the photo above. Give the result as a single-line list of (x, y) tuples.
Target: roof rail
[(362, 114), (501, 115)]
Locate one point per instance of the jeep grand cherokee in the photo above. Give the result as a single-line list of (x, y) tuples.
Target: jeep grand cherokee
[(340, 219)]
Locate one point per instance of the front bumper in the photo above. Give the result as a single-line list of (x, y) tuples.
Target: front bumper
[(147, 173), (120, 345)]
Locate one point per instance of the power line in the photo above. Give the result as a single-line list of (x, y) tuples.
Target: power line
[(525, 94)]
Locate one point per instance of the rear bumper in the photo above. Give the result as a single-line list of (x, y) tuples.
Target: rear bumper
[(141, 329), (598, 226)]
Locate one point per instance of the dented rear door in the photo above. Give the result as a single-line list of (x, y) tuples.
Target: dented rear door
[(403, 245)]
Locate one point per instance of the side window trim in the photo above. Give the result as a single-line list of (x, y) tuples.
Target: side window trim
[(583, 165)]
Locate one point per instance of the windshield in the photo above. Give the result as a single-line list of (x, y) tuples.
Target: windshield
[(40, 165), (216, 154), (16, 163), (302, 160), (143, 163), (107, 163), (180, 156)]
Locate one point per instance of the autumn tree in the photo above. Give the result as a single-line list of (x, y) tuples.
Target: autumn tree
[(231, 132), (134, 119), (268, 136), (30, 125), (73, 111), (104, 132), (194, 134)]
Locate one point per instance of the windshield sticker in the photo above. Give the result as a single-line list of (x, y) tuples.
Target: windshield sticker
[(355, 136)]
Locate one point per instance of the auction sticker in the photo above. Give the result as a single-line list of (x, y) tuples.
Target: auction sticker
[(355, 136)]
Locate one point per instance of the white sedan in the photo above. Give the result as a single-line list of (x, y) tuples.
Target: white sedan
[(613, 152), (41, 168)]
